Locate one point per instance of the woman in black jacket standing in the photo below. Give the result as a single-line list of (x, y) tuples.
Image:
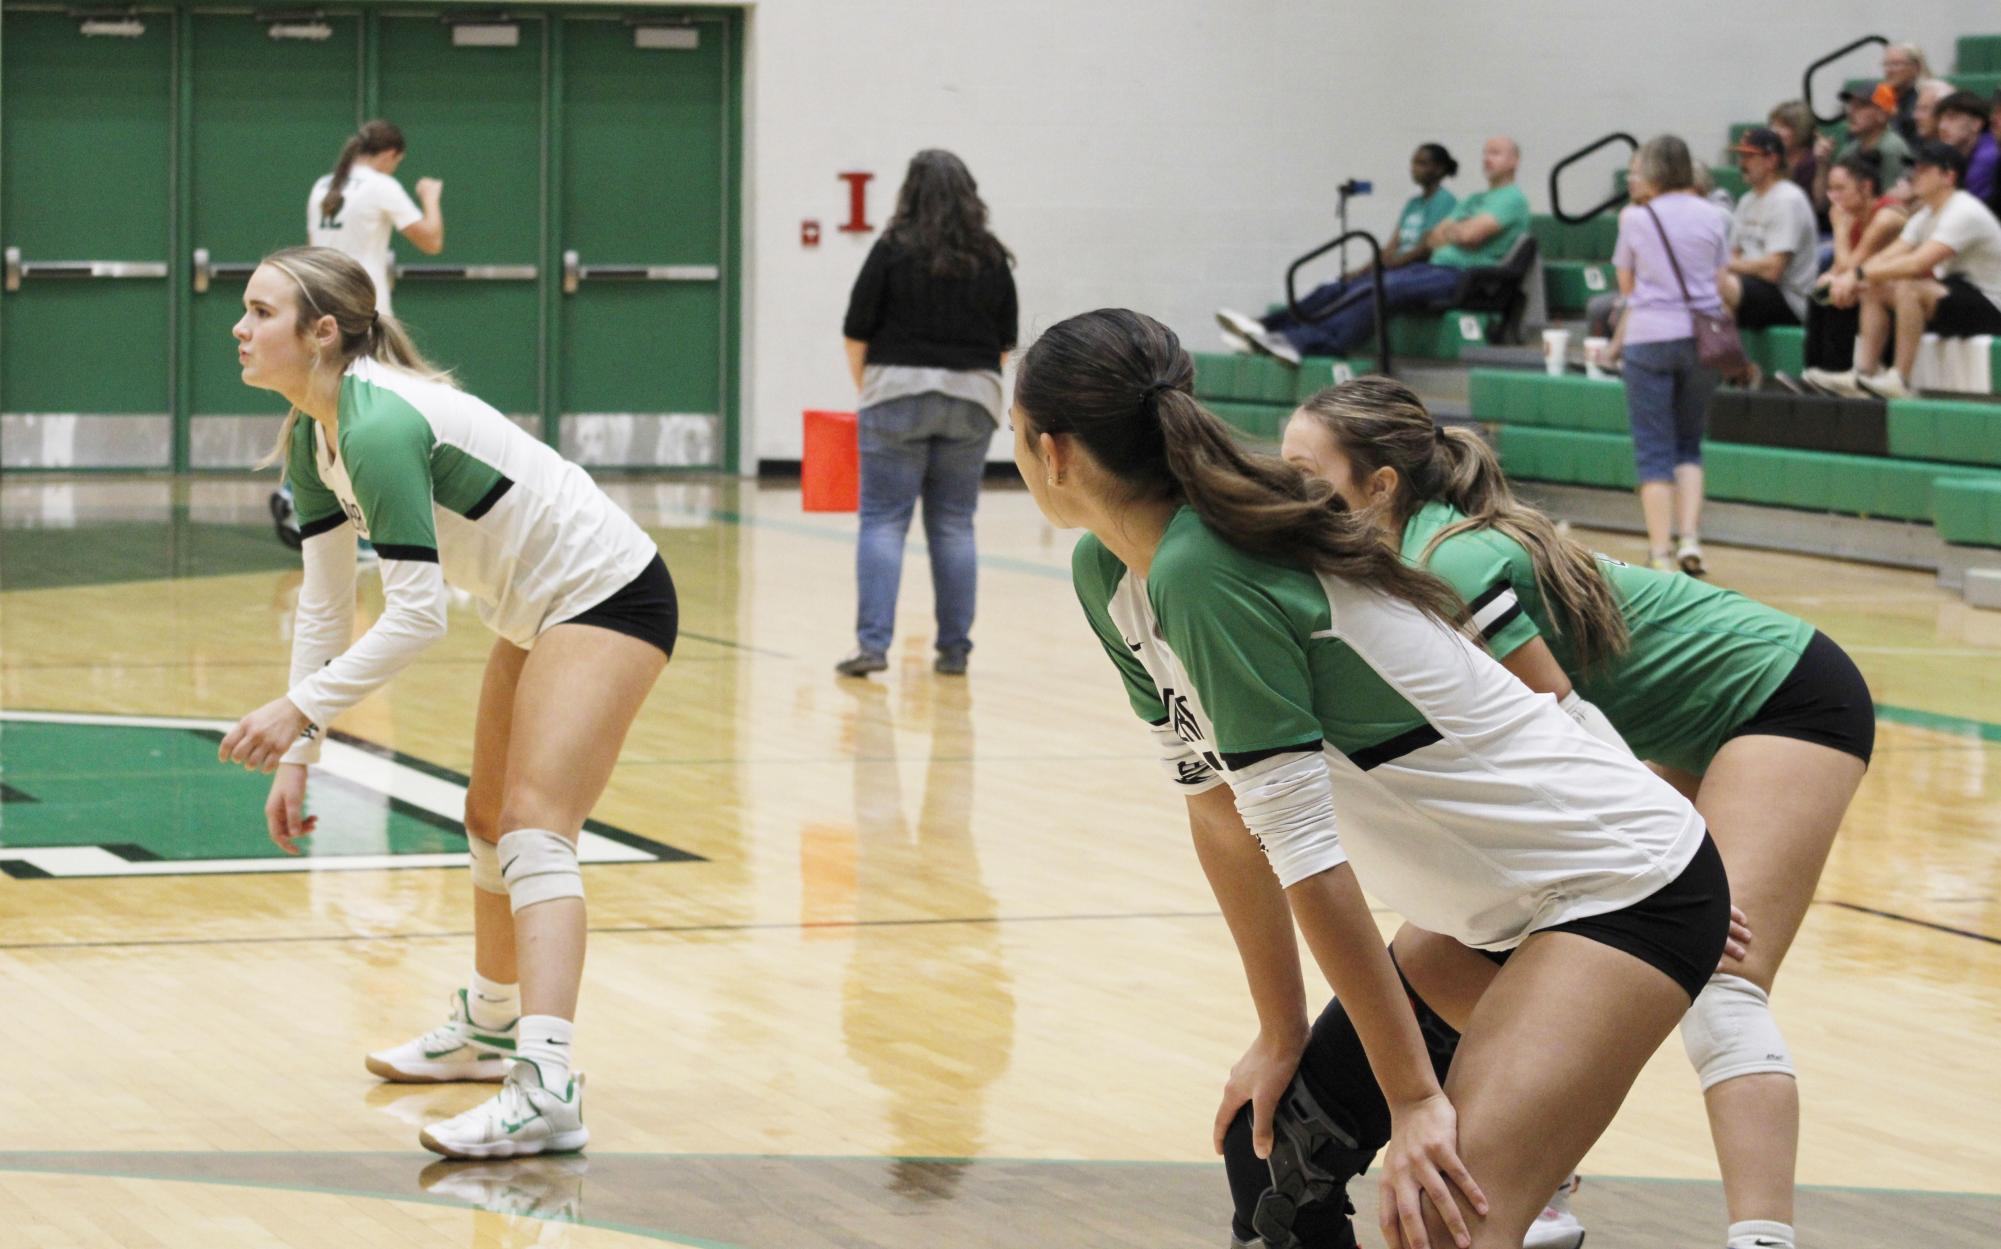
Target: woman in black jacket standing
[(929, 325)]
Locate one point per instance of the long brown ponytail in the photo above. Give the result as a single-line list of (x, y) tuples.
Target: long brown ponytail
[(374, 138), (1381, 423), (331, 283), (1119, 382)]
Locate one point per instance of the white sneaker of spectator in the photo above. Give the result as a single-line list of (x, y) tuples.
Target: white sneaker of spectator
[(1253, 332), (1887, 384), (1833, 382)]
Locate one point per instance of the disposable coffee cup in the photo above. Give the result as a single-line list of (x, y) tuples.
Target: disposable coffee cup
[(1555, 351), (1594, 356)]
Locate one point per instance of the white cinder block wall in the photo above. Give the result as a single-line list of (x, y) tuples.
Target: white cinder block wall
[(1173, 155)]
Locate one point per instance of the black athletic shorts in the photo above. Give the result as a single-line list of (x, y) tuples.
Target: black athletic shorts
[(1822, 700), (646, 609), (1964, 311), (1763, 304), (1679, 930)]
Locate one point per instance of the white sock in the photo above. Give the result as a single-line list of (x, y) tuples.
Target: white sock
[(491, 1004), (544, 1040), (1761, 1234)]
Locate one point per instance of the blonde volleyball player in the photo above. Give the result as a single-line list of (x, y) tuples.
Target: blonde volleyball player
[(1720, 692), (1312, 700), (452, 493)]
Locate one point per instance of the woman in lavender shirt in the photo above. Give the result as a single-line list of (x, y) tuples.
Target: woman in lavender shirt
[(1667, 387)]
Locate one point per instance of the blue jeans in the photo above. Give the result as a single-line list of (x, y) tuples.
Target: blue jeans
[(1409, 289), (928, 446), (1667, 403)]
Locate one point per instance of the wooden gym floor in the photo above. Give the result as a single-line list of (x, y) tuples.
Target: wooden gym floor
[(906, 963)]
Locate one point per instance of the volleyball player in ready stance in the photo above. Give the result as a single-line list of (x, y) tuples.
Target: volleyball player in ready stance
[(1276, 644), (451, 491), (1720, 692)]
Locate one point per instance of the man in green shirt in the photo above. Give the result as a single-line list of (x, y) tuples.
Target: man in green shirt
[(1477, 234), (1869, 131)]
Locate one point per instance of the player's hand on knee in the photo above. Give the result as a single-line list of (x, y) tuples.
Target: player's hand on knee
[(1422, 1161), (284, 809), (1260, 1078), (1737, 946)]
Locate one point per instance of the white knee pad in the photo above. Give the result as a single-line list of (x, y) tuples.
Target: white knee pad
[(539, 866), (1730, 1032), (486, 875)]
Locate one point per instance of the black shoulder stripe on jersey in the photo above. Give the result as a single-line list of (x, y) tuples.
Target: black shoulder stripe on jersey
[(1500, 622), (1488, 595), (1237, 761), (420, 554), (1395, 748), (491, 497), (325, 524)]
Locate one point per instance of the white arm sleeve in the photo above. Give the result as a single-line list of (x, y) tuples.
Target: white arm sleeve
[(1287, 802), (1183, 766), (1592, 720), (413, 617), (324, 621)]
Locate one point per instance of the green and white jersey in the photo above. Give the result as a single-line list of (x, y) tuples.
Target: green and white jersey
[(450, 492), (1702, 661), (1467, 803)]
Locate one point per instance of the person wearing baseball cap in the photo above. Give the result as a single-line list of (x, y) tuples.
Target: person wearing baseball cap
[(1774, 244), (1869, 130), (1943, 274)]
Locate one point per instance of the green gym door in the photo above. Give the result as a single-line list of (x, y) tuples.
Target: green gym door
[(474, 114), (86, 128), (271, 103), (643, 240)]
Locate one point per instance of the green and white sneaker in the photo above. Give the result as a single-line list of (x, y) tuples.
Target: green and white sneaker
[(522, 1118), (451, 1053)]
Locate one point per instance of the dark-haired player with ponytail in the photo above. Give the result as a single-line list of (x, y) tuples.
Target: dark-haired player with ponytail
[(454, 494), (1315, 704), (360, 206), (1721, 693)]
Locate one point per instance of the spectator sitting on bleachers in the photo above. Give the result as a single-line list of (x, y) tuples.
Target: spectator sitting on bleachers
[(1773, 243), (1430, 165), (1943, 274), (1869, 129), (1924, 116), (1479, 233), (1793, 122), (1962, 122), (1866, 220), (1903, 68)]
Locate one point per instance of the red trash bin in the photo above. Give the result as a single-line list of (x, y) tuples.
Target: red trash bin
[(830, 464)]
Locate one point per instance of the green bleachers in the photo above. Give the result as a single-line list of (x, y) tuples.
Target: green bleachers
[(1573, 430), (1777, 349), (1255, 394), (1978, 54), (1967, 510)]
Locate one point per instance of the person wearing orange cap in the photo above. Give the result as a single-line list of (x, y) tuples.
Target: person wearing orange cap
[(1869, 130)]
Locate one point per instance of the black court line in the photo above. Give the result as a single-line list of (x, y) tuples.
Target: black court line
[(1922, 923), (625, 929)]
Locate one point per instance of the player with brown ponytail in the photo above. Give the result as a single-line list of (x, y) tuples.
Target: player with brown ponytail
[(1721, 693), (1298, 676)]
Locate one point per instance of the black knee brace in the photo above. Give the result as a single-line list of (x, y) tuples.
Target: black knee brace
[(1325, 1132)]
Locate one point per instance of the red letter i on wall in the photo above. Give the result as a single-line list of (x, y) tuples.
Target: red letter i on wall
[(857, 222)]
